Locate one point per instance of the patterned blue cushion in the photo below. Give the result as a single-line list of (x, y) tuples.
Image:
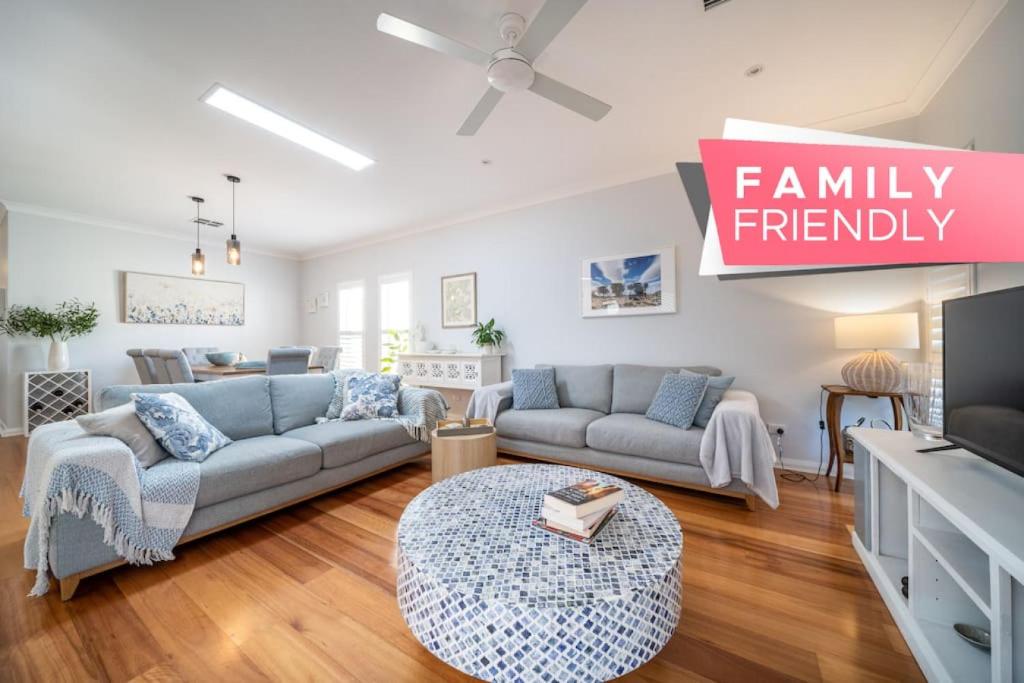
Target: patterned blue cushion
[(534, 389), (712, 397), (371, 395), (678, 399), (182, 431)]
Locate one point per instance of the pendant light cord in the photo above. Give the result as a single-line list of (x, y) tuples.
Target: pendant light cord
[(197, 225)]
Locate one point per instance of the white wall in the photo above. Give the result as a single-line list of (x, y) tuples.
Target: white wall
[(774, 334), (53, 260)]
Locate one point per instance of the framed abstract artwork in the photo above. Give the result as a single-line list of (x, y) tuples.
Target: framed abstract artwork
[(641, 283), (173, 300), (458, 300)]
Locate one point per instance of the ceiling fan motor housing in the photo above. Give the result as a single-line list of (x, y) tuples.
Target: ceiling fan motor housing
[(509, 71)]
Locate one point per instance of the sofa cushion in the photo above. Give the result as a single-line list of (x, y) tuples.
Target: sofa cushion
[(240, 408), (252, 465), (717, 386), (345, 442), (632, 434), (583, 386), (634, 386), (299, 399), (559, 426), (534, 389), (678, 399), (182, 431)]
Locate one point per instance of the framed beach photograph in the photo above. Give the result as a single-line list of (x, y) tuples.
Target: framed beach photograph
[(641, 283), (458, 300), (172, 300)]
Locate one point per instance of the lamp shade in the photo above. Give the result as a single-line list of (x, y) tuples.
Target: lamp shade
[(880, 331)]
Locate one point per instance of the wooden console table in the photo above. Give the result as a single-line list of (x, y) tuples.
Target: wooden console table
[(833, 417)]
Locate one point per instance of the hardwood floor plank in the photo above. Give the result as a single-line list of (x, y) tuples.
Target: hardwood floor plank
[(309, 593)]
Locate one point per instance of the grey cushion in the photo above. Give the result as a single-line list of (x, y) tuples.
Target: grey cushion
[(636, 435), (534, 389), (560, 426), (122, 423), (717, 387), (345, 442), (240, 408), (252, 465), (634, 386), (678, 399), (584, 386), (299, 399)]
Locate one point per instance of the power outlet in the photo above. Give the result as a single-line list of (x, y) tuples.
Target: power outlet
[(776, 430)]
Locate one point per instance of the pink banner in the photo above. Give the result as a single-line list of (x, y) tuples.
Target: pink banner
[(777, 203)]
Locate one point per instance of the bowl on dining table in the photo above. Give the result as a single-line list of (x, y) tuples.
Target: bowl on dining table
[(223, 358)]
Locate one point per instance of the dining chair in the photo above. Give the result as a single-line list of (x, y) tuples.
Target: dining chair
[(288, 361), (160, 374), (327, 357), (177, 366), (196, 355), (143, 366)]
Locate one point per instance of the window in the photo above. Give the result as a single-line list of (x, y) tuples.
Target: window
[(395, 317), (350, 325), (943, 282)]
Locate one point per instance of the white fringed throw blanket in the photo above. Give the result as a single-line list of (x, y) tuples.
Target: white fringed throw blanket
[(143, 512)]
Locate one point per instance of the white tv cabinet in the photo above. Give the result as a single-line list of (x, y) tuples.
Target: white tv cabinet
[(954, 524)]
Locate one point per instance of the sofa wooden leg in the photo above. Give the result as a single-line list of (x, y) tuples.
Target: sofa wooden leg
[(751, 502), (68, 586)]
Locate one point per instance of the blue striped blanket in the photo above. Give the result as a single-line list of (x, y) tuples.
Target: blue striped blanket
[(142, 512)]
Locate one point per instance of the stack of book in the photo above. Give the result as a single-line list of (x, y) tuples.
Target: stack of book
[(580, 511), (464, 427)]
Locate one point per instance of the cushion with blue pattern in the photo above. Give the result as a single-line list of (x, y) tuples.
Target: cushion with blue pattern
[(534, 389), (178, 427), (371, 395), (717, 387), (678, 399)]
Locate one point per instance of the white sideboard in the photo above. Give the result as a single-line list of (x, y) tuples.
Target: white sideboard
[(450, 370), (954, 524)]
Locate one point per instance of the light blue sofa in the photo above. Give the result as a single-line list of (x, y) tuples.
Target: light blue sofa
[(600, 424), (278, 456)]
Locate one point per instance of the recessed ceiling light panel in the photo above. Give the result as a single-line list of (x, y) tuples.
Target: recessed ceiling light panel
[(258, 115)]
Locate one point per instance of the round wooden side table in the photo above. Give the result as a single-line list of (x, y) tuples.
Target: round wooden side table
[(451, 455)]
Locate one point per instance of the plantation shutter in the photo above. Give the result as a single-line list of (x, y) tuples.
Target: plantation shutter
[(350, 325), (943, 282)]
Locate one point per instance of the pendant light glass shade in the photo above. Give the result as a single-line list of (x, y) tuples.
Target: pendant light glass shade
[(234, 246), (198, 259)]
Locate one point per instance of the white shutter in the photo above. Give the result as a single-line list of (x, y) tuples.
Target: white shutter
[(350, 325), (942, 283)]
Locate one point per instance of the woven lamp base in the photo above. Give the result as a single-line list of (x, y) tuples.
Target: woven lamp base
[(873, 371)]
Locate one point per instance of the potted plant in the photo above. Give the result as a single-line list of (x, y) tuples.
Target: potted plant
[(487, 337), (71, 319)]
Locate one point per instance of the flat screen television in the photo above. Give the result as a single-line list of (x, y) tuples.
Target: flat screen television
[(983, 375)]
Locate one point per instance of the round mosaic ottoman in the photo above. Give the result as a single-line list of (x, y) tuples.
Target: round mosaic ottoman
[(504, 601)]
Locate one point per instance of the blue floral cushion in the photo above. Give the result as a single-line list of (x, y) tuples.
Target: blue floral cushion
[(534, 389), (678, 399), (371, 395), (182, 431), (717, 387)]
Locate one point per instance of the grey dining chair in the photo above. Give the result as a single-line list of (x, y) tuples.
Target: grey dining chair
[(327, 357), (143, 366), (196, 355), (160, 374), (288, 361), (177, 366)]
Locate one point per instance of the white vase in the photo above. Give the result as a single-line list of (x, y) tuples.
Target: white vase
[(59, 359)]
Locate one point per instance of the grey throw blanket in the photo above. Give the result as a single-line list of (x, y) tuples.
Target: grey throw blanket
[(142, 512), (490, 400), (419, 410)]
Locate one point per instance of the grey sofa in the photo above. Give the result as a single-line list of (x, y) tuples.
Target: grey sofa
[(600, 424), (278, 456)]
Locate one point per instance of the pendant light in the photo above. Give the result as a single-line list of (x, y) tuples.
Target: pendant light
[(233, 245), (198, 259)]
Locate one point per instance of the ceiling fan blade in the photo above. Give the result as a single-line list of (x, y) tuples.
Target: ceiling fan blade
[(570, 98), (480, 112), (548, 23), (400, 28)]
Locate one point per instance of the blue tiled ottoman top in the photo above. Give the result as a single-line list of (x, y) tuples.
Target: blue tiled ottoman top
[(472, 534)]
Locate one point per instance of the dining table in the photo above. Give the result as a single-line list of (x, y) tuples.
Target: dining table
[(212, 372)]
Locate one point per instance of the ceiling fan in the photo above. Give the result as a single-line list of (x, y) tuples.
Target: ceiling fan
[(509, 69)]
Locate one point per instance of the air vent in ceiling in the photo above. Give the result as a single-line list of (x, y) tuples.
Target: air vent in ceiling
[(712, 4)]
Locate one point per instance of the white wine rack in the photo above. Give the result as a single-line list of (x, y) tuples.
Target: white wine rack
[(56, 396)]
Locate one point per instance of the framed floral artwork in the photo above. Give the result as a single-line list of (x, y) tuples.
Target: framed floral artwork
[(458, 300)]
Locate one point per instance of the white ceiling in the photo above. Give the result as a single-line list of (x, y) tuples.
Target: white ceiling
[(100, 116)]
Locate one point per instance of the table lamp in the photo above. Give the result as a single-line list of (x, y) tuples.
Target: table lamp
[(875, 369)]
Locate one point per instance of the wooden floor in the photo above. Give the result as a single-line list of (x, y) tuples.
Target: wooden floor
[(308, 593)]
